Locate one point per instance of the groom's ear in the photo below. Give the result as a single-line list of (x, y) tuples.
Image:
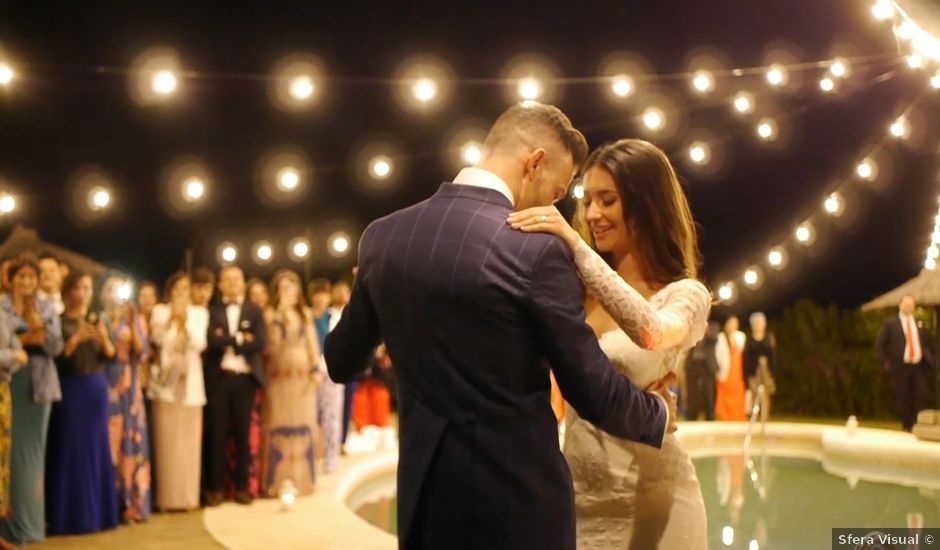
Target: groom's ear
[(536, 159)]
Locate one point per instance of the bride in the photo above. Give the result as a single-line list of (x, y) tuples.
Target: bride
[(648, 310)]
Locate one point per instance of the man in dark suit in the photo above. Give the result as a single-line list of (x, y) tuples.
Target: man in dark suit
[(902, 345), (473, 314), (233, 372)]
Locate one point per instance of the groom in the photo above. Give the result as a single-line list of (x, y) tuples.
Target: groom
[(473, 314)]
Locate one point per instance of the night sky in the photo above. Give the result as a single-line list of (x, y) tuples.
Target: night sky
[(62, 115)]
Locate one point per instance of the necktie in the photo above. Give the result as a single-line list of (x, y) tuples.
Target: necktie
[(910, 339)]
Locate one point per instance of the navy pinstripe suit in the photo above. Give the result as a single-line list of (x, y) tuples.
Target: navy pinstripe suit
[(473, 314)]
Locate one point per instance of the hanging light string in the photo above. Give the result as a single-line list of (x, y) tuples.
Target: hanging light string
[(832, 206)]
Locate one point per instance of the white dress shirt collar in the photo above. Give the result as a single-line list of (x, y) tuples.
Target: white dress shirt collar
[(478, 177)]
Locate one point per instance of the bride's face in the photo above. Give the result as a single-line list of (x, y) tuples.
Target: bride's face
[(604, 212)]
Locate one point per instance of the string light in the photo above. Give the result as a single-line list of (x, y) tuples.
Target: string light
[(703, 82), (622, 86), (915, 61), (827, 85), (578, 191), (471, 153), (726, 292), (699, 152), (834, 205), (6, 74), (302, 88), (805, 234), (866, 169), (98, 199), (227, 253), (424, 90), (930, 263), (777, 258), (263, 252), (339, 244), (193, 190), (883, 10), (744, 103), (288, 178), (767, 129), (753, 277), (530, 89), (7, 204), (380, 167), (164, 82), (777, 75), (900, 128), (907, 29), (839, 68), (653, 119), (299, 249), (935, 81)]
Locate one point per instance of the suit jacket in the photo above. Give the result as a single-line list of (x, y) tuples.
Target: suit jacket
[(251, 320), (892, 343), (473, 313)]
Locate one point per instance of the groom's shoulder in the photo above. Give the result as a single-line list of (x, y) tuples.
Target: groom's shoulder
[(382, 225)]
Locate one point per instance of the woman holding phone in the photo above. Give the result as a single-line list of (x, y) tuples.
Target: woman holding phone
[(79, 468)]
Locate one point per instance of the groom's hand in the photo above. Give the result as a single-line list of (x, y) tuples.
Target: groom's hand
[(661, 388)]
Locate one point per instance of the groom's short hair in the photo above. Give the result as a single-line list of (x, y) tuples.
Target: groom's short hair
[(522, 122)]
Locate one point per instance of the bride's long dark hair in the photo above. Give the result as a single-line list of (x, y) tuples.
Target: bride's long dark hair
[(655, 209)]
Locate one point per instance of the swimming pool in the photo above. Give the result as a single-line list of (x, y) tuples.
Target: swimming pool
[(788, 503)]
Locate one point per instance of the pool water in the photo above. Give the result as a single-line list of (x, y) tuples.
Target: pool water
[(801, 503)]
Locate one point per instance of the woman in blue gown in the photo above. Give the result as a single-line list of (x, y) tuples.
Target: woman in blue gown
[(80, 483)]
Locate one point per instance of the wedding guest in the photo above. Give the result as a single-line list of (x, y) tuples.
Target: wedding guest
[(33, 389), (5, 285), (760, 362), (148, 296), (730, 397), (12, 359), (329, 394), (372, 403), (701, 369), (233, 373), (80, 478), (203, 285), (905, 354), (290, 396), (178, 392), (341, 294), (130, 449), (50, 282), (257, 294)]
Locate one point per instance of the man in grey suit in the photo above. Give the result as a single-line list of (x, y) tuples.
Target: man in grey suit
[(474, 314)]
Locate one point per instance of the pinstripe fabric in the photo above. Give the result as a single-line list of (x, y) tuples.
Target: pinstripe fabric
[(472, 313)]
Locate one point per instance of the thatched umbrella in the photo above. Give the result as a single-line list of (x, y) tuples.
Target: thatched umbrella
[(925, 288), (23, 240)]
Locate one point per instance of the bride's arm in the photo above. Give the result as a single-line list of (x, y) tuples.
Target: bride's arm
[(685, 312), (684, 316)]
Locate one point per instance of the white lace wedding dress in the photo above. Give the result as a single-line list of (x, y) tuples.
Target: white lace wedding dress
[(629, 495)]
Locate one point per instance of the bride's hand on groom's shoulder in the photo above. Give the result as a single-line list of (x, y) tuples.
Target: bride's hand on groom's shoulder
[(661, 388), (544, 219)]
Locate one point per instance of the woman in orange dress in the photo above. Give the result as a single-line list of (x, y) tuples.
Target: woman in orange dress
[(730, 395)]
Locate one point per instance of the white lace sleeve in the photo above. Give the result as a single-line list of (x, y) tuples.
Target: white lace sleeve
[(679, 318)]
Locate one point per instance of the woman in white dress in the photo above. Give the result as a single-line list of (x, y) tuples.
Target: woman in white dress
[(178, 392), (648, 310)]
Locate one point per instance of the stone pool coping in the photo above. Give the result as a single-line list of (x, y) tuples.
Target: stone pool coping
[(325, 520)]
